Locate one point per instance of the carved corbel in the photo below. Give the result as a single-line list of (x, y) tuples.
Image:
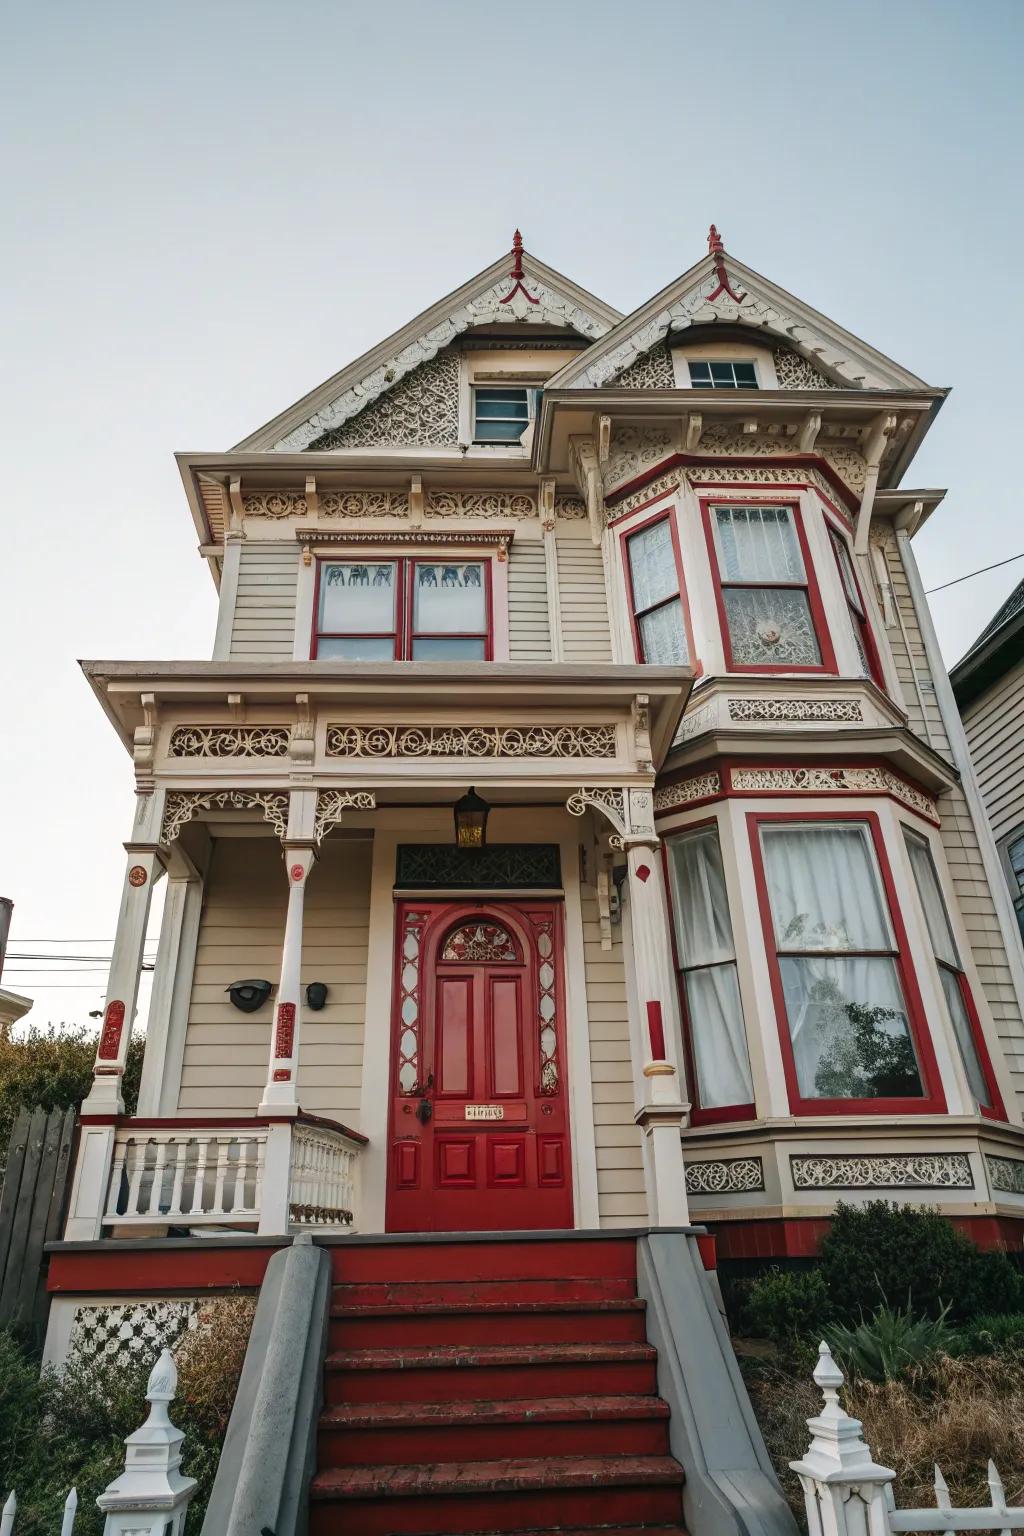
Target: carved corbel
[(641, 712), (611, 803), (546, 503), (312, 495), (809, 431), (876, 435), (236, 507), (750, 427), (587, 473), (694, 429), (416, 504), (302, 743), (236, 707), (604, 439), (331, 805), (144, 745)]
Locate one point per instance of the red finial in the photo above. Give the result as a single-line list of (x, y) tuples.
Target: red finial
[(716, 250), (517, 273), (715, 243)]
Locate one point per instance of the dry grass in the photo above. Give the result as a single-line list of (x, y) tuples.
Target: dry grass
[(209, 1358), (958, 1413)]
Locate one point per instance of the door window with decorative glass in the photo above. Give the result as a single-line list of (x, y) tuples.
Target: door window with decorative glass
[(955, 987), (403, 610), (656, 595), (706, 957), (843, 980), (767, 594)]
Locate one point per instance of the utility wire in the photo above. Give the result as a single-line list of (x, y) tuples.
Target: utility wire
[(1008, 561)]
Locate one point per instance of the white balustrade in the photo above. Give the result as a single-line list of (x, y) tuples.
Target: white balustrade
[(324, 1177), (185, 1177)]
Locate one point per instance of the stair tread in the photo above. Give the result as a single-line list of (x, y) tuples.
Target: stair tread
[(501, 1411), (496, 1476), (460, 1355), (458, 1308)]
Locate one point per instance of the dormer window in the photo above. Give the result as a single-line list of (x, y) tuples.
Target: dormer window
[(722, 375), (502, 415)]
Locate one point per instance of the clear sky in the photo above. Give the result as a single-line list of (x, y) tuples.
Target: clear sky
[(211, 207)]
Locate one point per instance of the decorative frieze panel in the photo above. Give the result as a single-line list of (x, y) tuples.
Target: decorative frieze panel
[(692, 725), (575, 741), (796, 372), (802, 710), (702, 786), (570, 509), (664, 485), (228, 741), (331, 805), (422, 410), (912, 1170), (725, 1176), (363, 504), (515, 504), (1006, 1173), (651, 371), (181, 805), (637, 446), (865, 781)]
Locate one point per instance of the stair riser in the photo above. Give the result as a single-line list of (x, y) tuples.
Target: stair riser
[(461, 1293), (491, 1382), (464, 1262), (485, 1328), (499, 1511), (345, 1447)]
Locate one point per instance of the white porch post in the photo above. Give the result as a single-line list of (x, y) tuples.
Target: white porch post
[(280, 1093), (166, 1026)]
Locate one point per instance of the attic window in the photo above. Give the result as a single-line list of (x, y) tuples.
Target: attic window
[(502, 415), (723, 375)]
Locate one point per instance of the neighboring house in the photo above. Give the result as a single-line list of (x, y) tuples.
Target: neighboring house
[(727, 948), (989, 687)]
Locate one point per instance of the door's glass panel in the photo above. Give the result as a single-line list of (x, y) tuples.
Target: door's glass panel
[(357, 597), (482, 943)]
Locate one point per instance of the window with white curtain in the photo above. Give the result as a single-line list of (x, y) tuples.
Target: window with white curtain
[(656, 599), (707, 970), (947, 958), (765, 588), (846, 1014)]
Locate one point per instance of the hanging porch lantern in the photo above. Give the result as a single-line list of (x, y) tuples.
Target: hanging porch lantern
[(471, 813)]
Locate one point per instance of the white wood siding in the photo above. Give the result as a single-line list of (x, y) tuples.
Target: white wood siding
[(622, 1201), (586, 635), (240, 936), (994, 723), (529, 631), (264, 621)]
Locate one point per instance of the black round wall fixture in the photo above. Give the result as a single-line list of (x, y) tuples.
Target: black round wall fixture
[(247, 996), (316, 995)]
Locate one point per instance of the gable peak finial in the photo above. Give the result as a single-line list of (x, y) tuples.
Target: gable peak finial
[(516, 275), (716, 250), (715, 241)]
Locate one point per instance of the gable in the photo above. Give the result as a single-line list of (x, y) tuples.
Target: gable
[(721, 290), (654, 369), (516, 290), (421, 410)]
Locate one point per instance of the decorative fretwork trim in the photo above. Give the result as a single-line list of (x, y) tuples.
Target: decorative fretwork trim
[(331, 804), (652, 370), (915, 1170), (421, 410), (796, 372), (795, 709), (727, 1176), (610, 802), (438, 538), (471, 741), (1006, 1173), (516, 504), (182, 804), (228, 741), (498, 866), (701, 787), (865, 781)]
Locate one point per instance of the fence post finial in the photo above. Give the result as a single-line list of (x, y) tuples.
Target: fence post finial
[(838, 1465), (151, 1496)]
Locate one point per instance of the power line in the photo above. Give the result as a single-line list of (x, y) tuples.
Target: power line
[(1008, 561)]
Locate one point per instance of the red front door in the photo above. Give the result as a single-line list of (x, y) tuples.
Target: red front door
[(479, 1135)]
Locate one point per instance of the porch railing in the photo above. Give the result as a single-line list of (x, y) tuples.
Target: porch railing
[(272, 1176)]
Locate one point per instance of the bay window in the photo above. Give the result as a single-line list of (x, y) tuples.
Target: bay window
[(859, 622), (656, 593), (843, 988), (708, 984), (767, 595), (402, 610), (956, 990)]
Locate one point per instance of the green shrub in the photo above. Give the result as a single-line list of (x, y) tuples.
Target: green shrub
[(990, 1335), (889, 1344), (52, 1066), (887, 1255), (784, 1305)]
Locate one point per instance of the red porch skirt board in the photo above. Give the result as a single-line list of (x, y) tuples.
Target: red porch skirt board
[(799, 1237)]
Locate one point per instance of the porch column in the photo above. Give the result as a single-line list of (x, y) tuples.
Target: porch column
[(663, 1110), (280, 1093), (172, 985)]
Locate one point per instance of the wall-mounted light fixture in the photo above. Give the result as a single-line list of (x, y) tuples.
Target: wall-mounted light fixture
[(316, 995), (247, 996), (471, 813)]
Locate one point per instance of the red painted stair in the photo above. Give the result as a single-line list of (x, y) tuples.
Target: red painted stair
[(492, 1389)]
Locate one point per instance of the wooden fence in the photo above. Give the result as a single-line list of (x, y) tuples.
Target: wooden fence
[(31, 1210)]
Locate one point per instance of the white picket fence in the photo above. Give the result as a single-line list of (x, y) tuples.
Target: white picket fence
[(151, 1497), (846, 1492)]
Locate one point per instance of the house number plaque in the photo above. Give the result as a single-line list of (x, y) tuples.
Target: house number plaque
[(485, 1111)]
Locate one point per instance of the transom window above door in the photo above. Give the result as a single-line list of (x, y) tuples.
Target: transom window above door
[(502, 415), (403, 610), (722, 375)]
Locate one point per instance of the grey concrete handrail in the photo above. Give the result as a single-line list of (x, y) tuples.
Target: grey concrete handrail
[(731, 1488), (262, 1482)]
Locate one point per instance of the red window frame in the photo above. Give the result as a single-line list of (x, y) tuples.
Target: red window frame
[(666, 514), (858, 610), (932, 1100), (404, 635), (723, 1112), (827, 665), (994, 1109)]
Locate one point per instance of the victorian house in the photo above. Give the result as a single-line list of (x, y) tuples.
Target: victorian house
[(573, 830)]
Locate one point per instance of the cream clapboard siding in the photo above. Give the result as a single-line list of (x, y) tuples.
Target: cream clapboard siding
[(264, 623), (959, 838), (994, 723), (240, 936), (586, 635), (622, 1201), (529, 631)]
